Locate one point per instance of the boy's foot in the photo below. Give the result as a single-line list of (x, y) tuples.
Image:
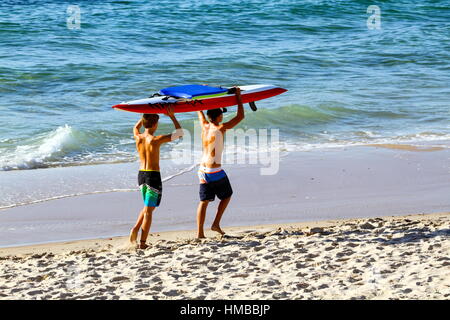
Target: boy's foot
[(217, 229), (133, 235), (143, 245)]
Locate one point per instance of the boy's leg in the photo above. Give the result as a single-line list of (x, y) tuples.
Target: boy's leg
[(151, 189), (206, 195), (134, 232), (220, 210), (224, 192), (146, 223), (201, 214)]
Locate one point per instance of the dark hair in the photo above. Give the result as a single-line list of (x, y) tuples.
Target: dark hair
[(149, 120), (214, 113)]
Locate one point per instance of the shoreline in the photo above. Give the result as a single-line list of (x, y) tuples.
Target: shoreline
[(317, 185), (424, 146)]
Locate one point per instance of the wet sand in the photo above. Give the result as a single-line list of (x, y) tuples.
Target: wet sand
[(318, 185), (406, 147)]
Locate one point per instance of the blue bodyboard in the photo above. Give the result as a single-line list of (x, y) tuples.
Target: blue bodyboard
[(191, 90)]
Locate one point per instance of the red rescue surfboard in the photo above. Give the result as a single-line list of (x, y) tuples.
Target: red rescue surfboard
[(159, 103)]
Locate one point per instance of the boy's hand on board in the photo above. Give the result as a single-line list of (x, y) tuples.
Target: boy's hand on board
[(169, 112)]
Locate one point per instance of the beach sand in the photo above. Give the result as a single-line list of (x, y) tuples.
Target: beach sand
[(404, 257)]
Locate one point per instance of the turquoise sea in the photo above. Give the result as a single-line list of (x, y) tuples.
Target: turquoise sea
[(348, 84)]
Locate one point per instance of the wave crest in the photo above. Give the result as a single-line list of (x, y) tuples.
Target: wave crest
[(43, 149)]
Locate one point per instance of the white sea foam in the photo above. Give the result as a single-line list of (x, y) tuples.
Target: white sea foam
[(371, 138), (123, 180), (43, 149), (68, 146), (22, 203)]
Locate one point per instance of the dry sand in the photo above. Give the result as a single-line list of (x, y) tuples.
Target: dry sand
[(379, 258)]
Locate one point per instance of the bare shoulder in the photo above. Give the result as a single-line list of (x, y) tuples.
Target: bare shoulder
[(138, 137), (222, 128), (161, 139), (206, 125)]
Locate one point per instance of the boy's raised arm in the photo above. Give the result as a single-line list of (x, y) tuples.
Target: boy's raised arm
[(201, 117), (136, 128), (178, 130), (240, 112)]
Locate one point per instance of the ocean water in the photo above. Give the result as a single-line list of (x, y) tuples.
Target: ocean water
[(348, 84)]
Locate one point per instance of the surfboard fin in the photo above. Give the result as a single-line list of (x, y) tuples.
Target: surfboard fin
[(253, 105)]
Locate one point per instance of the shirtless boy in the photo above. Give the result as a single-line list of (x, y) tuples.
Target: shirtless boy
[(213, 179), (149, 178)]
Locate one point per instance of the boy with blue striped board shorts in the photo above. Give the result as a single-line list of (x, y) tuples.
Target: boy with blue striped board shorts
[(213, 179)]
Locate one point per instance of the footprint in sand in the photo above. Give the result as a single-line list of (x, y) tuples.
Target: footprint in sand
[(172, 293), (142, 286), (212, 268), (251, 244), (258, 248), (268, 257), (119, 279)]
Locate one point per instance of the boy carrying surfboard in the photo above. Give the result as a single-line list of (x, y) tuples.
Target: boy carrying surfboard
[(149, 177), (213, 179)]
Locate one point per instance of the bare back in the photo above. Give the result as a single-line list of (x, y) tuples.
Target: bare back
[(213, 133), (212, 142), (148, 148)]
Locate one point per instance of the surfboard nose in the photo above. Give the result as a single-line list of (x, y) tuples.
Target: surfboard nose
[(119, 106)]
